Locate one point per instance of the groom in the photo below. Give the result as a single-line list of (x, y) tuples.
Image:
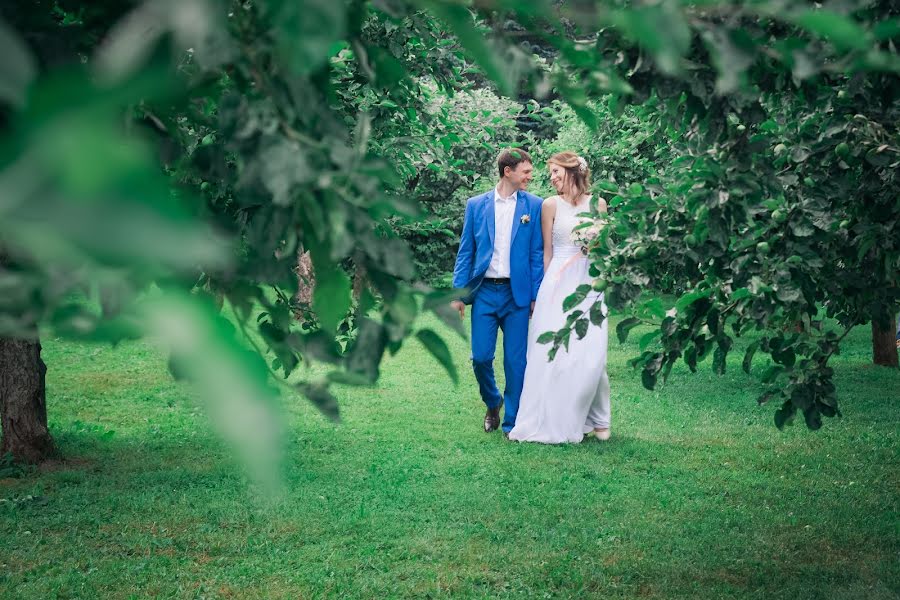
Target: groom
[(501, 263)]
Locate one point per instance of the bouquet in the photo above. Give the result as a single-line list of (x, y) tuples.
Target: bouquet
[(586, 232)]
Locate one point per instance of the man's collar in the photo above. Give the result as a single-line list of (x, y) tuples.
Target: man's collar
[(498, 197)]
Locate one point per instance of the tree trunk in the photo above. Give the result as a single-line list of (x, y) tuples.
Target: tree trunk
[(884, 343), (306, 279), (23, 402)]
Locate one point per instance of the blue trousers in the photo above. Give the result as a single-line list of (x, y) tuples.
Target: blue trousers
[(493, 309)]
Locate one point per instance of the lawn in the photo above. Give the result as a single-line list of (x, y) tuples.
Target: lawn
[(697, 494)]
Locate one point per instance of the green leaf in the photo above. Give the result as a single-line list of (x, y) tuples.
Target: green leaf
[(394, 257), (596, 314), (625, 326), (439, 303), (648, 379), (348, 378), (689, 299), (772, 373), (388, 70), (813, 418), (788, 293), (800, 153), (887, 29), (546, 337), (232, 381), (844, 33), (741, 293), (785, 414), (748, 356), (308, 31), (731, 58), (585, 113), (129, 45), (282, 168), (573, 316), (322, 398), (655, 307), (784, 356), (647, 338), (438, 348), (719, 361), (462, 23), (364, 356), (331, 297), (581, 328), (551, 354), (661, 29), (17, 69), (669, 326), (608, 186), (878, 158), (576, 298), (690, 358), (565, 335)]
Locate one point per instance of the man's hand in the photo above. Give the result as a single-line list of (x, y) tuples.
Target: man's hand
[(459, 306), (531, 314)]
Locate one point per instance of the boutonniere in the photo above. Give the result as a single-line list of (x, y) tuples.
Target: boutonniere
[(525, 219)]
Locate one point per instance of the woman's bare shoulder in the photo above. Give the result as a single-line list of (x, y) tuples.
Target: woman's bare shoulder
[(601, 204), (548, 208)]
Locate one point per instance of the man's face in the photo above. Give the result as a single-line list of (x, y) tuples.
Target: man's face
[(520, 177)]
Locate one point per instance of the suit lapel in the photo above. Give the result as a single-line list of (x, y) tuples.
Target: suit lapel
[(521, 207), (489, 216)]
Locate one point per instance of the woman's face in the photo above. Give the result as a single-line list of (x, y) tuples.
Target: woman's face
[(558, 177)]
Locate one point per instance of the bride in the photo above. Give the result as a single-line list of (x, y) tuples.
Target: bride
[(568, 397)]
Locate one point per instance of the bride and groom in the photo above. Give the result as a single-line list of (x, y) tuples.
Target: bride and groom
[(519, 261)]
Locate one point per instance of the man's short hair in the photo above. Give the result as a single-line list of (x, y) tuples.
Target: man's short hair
[(511, 157)]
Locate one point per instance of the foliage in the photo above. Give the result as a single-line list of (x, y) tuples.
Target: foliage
[(468, 129), (780, 196), (299, 126), (630, 143), (625, 146), (278, 136)]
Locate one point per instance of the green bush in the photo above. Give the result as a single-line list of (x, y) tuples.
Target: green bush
[(470, 127)]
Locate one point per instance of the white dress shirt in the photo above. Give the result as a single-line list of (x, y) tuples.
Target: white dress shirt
[(504, 209)]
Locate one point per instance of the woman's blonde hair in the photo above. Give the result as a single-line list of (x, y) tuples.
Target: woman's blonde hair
[(579, 174)]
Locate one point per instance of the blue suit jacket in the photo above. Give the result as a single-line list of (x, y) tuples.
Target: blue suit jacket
[(476, 246)]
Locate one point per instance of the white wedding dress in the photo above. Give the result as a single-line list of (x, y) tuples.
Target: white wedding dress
[(565, 398)]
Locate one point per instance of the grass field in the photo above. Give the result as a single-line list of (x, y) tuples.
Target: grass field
[(697, 494)]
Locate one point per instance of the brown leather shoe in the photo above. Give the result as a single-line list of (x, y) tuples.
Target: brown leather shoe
[(491, 419)]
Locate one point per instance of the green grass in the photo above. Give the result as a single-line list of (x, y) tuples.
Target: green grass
[(697, 495)]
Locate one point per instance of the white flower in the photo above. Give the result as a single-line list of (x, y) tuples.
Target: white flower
[(582, 165), (586, 232)]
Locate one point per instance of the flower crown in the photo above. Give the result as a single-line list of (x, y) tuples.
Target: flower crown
[(582, 165)]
